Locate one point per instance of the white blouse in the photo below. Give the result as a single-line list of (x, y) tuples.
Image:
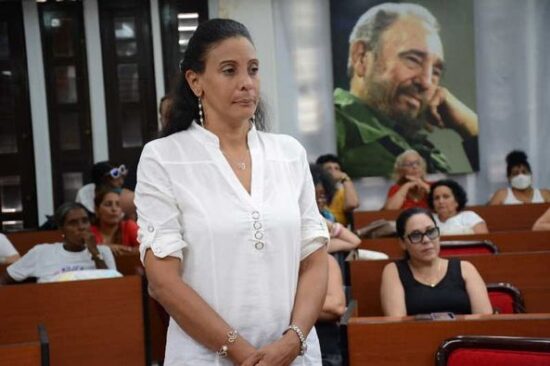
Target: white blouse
[(241, 252), (461, 223)]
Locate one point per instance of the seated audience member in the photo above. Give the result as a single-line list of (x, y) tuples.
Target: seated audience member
[(423, 282), (447, 199), (109, 227), (8, 253), (165, 107), (518, 172), (77, 252), (107, 174), (345, 199), (341, 238), (411, 188), (543, 222)]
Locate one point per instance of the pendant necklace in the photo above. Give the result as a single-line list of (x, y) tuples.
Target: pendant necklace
[(434, 282), (240, 164)]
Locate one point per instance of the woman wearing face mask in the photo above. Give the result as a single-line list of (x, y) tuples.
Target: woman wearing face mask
[(520, 178)]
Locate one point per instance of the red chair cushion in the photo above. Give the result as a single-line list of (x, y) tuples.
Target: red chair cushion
[(491, 357), (464, 251), (502, 302)]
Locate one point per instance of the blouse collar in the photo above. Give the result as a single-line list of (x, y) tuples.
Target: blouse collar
[(211, 139)]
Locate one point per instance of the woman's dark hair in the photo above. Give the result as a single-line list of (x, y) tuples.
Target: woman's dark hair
[(64, 209), (515, 158), (458, 192), (185, 104), (404, 217), (319, 175), (100, 170), (328, 158)]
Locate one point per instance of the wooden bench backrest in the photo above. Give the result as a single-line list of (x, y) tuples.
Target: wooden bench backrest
[(23, 241), (525, 271), (95, 322), (397, 342), (506, 241), (21, 354), (498, 218)]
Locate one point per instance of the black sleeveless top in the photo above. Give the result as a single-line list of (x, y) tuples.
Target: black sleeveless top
[(448, 295)]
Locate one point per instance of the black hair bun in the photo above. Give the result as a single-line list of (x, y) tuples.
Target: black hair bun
[(516, 157)]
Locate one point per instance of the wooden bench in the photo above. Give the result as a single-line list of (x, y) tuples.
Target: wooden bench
[(95, 322), (21, 354), (498, 218), (530, 272), (397, 341), (23, 241), (506, 241)]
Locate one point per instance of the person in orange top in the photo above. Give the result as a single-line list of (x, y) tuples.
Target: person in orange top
[(411, 188), (110, 228)]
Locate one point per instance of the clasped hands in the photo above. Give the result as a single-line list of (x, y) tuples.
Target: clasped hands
[(418, 183), (282, 352)]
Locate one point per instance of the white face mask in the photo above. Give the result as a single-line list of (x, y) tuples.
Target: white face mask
[(521, 181)]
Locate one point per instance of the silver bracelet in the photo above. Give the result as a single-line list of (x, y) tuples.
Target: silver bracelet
[(300, 334), (231, 338)]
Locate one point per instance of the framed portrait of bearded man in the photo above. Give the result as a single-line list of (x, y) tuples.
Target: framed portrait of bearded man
[(404, 78)]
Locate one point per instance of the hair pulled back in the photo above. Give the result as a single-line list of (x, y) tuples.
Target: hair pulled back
[(206, 36)]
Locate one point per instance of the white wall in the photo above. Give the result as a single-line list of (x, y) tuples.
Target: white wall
[(39, 111)]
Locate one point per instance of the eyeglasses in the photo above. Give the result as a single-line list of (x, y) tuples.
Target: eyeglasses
[(416, 236), (411, 164), (118, 172)]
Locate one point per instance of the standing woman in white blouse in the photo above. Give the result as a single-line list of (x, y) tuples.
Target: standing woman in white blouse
[(233, 244)]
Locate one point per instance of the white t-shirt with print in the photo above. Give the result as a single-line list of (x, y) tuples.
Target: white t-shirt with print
[(44, 261)]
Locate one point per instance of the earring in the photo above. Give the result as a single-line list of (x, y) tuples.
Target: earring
[(201, 118)]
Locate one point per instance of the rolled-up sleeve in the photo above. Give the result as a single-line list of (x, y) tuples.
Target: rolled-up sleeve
[(314, 228), (159, 217)]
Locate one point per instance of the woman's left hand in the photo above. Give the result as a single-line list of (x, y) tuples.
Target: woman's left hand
[(282, 352)]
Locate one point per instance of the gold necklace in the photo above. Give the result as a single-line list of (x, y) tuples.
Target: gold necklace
[(240, 164), (430, 282)]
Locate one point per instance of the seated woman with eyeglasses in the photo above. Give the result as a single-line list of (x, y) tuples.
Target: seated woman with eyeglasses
[(107, 174), (411, 188), (110, 228), (423, 282)]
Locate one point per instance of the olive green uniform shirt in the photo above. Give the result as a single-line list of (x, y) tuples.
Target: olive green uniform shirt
[(368, 144)]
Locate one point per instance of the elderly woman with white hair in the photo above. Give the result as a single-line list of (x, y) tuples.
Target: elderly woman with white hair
[(411, 188)]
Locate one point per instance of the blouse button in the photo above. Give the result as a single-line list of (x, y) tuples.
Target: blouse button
[(259, 245), (257, 225), (258, 235), (255, 215), (150, 228)]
